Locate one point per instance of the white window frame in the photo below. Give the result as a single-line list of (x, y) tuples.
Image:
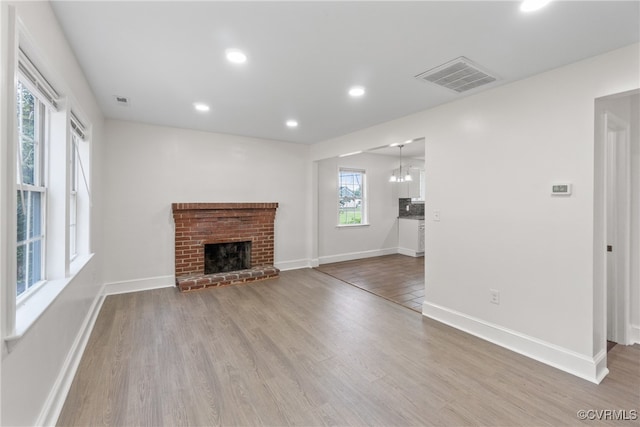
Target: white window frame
[(364, 220), (80, 193), (22, 312), (73, 198), (41, 113)]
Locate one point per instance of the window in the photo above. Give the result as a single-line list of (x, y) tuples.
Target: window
[(79, 194), (73, 197), (31, 190), (351, 197), (49, 161)]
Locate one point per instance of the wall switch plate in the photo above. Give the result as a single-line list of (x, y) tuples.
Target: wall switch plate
[(494, 296), (436, 215)]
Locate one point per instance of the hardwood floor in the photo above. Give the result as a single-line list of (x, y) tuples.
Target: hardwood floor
[(398, 278), (308, 349)]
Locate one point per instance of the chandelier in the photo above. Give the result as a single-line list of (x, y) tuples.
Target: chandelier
[(400, 178)]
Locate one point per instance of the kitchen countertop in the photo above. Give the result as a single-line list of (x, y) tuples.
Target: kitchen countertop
[(412, 217)]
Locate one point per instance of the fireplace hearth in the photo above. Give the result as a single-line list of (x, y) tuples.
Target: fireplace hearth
[(219, 244)]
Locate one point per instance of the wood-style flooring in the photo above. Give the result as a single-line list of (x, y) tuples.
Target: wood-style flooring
[(307, 349), (398, 278)]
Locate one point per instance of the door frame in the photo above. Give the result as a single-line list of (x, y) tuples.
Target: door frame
[(617, 185)]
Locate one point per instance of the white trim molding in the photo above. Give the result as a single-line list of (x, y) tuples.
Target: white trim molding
[(410, 252), (295, 264), (55, 401), (356, 255), (137, 285), (592, 369), (634, 334)]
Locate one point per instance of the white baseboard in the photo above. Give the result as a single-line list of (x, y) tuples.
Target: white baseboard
[(635, 334), (293, 265), (592, 369), (410, 252), (137, 285), (55, 401), (356, 255)]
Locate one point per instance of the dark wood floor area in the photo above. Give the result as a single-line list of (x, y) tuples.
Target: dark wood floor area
[(308, 349), (398, 278)]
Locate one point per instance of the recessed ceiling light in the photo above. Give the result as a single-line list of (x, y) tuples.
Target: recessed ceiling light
[(201, 107), (292, 123), (532, 5), (235, 56), (356, 91)]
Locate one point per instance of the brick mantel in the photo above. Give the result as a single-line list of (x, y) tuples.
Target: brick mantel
[(197, 224), (221, 206)]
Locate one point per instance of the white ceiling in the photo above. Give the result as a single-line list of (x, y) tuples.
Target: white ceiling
[(303, 56)]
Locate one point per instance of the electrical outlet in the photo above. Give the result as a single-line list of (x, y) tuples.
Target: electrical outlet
[(494, 296), (436, 215)]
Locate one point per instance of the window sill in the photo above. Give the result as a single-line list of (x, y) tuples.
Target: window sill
[(352, 225), (30, 310), (77, 263)]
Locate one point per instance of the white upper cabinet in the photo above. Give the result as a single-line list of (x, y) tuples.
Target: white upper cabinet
[(414, 188)]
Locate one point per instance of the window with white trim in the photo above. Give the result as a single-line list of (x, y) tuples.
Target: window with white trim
[(352, 197), (73, 198), (79, 194), (52, 204), (31, 191)]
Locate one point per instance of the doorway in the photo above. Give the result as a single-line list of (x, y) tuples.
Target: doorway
[(617, 131), (397, 278), (617, 220)]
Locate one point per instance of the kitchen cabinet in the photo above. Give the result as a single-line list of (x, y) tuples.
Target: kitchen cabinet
[(411, 236)]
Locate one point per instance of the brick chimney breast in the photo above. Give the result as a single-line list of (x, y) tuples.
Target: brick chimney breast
[(198, 224)]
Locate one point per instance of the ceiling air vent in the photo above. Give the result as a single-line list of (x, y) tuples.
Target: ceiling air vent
[(459, 75), (122, 101)]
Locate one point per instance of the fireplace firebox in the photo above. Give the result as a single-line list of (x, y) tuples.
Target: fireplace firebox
[(230, 256)]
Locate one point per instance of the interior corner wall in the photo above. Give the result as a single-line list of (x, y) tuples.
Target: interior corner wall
[(38, 365), (491, 159), (380, 236), (149, 167)]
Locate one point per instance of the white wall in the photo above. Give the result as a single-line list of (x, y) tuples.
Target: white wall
[(490, 161), (149, 167), (36, 369), (380, 237)]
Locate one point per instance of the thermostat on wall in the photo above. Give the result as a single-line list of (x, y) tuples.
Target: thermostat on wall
[(563, 189)]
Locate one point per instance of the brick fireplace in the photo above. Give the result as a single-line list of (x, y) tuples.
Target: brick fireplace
[(200, 224)]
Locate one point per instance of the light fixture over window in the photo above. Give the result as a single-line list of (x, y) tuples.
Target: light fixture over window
[(400, 177)]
